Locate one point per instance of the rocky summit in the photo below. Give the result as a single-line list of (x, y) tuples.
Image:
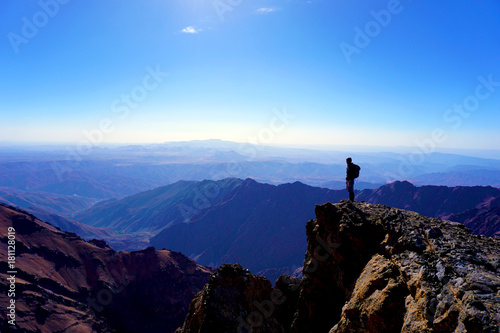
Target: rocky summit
[(368, 268)]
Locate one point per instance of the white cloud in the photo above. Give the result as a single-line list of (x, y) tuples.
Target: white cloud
[(266, 10), (190, 30)]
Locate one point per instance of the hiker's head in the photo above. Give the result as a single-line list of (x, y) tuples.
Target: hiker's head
[(348, 160)]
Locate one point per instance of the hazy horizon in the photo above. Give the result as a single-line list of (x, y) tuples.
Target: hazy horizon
[(301, 72), (70, 146)]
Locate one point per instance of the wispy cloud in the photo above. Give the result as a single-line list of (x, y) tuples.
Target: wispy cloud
[(191, 30), (266, 10)]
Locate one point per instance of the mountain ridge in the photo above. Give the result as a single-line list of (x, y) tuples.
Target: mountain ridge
[(65, 284), (174, 204), (429, 200), (484, 218), (244, 226)]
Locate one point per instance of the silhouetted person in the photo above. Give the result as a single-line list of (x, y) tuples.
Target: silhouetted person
[(352, 172)]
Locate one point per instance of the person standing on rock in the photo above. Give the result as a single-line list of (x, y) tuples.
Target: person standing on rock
[(352, 172)]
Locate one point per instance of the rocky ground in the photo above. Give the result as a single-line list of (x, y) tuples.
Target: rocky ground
[(368, 268)]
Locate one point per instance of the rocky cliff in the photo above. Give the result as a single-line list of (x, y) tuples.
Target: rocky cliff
[(368, 268), (65, 284)]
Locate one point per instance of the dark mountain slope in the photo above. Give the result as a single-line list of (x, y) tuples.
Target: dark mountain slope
[(340, 185), (85, 231), (88, 179), (257, 225), (434, 201), (484, 219), (55, 209), (231, 221), (64, 284), (64, 205), (156, 209), (123, 242)]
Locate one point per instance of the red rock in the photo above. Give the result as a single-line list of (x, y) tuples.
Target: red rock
[(65, 284)]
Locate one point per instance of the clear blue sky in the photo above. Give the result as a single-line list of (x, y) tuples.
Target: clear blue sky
[(350, 72)]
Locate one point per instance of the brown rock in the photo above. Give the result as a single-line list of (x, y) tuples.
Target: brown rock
[(417, 274), (234, 300), (378, 300), (65, 284)]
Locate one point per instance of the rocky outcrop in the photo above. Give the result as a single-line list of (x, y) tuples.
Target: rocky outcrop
[(368, 268), (423, 275), (235, 300), (65, 284)]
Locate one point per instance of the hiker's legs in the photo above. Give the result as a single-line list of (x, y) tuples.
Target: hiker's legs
[(350, 189), (351, 196)]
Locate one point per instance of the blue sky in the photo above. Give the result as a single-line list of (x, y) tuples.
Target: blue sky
[(379, 73)]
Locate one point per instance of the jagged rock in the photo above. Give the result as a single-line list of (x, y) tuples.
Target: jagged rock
[(288, 287), (369, 268), (409, 273), (99, 243), (379, 296), (234, 300)]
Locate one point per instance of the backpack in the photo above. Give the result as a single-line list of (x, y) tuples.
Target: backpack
[(355, 170)]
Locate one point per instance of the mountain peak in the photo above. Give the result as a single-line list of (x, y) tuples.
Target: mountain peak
[(249, 181), (402, 184)]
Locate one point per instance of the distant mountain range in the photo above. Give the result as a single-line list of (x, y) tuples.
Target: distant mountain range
[(64, 205), (120, 171), (464, 176), (86, 179)]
